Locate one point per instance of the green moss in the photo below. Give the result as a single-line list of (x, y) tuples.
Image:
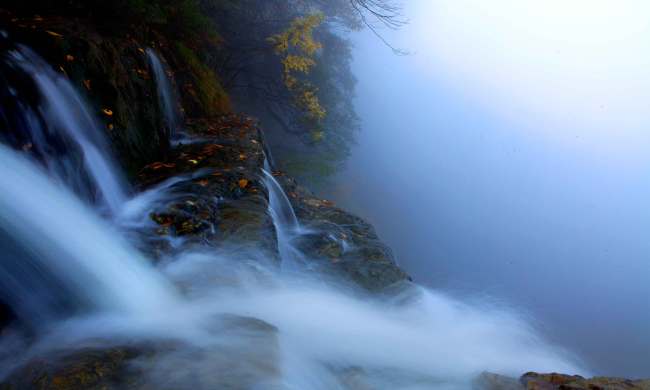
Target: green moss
[(206, 85)]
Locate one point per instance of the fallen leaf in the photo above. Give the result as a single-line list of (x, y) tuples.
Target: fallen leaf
[(158, 165), (243, 183), (87, 84), (52, 33), (193, 161), (69, 57), (107, 111)]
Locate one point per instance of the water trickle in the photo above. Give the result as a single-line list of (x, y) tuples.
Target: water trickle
[(284, 219), (166, 95), (279, 204), (59, 126)]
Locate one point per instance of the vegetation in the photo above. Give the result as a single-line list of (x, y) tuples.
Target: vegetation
[(287, 62), (209, 90)]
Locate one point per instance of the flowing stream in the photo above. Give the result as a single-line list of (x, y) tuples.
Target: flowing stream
[(71, 275)]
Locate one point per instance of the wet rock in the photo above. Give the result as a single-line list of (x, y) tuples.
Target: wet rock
[(219, 197), (112, 72), (553, 381), (228, 363), (345, 242), (83, 369), (223, 200), (491, 381)]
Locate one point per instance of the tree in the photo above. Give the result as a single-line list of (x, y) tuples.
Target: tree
[(288, 63), (297, 47)]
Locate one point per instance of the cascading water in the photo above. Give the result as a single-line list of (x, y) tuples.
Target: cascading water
[(65, 257), (56, 122), (284, 219), (292, 330), (165, 94), (280, 206)]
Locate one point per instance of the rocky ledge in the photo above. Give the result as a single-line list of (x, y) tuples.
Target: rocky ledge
[(219, 199), (224, 161), (554, 381)]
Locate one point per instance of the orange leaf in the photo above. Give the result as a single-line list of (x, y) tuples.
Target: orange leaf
[(243, 183)]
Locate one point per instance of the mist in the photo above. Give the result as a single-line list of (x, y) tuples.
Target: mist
[(519, 175), (208, 199)]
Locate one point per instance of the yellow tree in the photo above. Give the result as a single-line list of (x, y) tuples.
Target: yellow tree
[(298, 48)]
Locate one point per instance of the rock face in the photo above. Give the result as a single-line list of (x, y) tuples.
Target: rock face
[(112, 71), (224, 201), (535, 381), (346, 242), (221, 195), (168, 366)]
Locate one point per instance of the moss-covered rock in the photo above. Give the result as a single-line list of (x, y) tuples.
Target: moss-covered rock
[(343, 241), (113, 73), (84, 369), (219, 197)]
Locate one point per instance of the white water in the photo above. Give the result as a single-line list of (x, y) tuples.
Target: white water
[(413, 340), (418, 339), (326, 336), (279, 202), (70, 245), (165, 94), (285, 221), (64, 111)]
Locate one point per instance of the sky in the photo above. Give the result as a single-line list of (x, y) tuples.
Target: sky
[(508, 156)]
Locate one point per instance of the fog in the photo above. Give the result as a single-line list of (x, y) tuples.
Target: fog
[(507, 156)]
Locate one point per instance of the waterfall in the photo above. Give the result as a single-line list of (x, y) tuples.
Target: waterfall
[(280, 330), (58, 122), (279, 204), (284, 219), (165, 94), (63, 257)]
